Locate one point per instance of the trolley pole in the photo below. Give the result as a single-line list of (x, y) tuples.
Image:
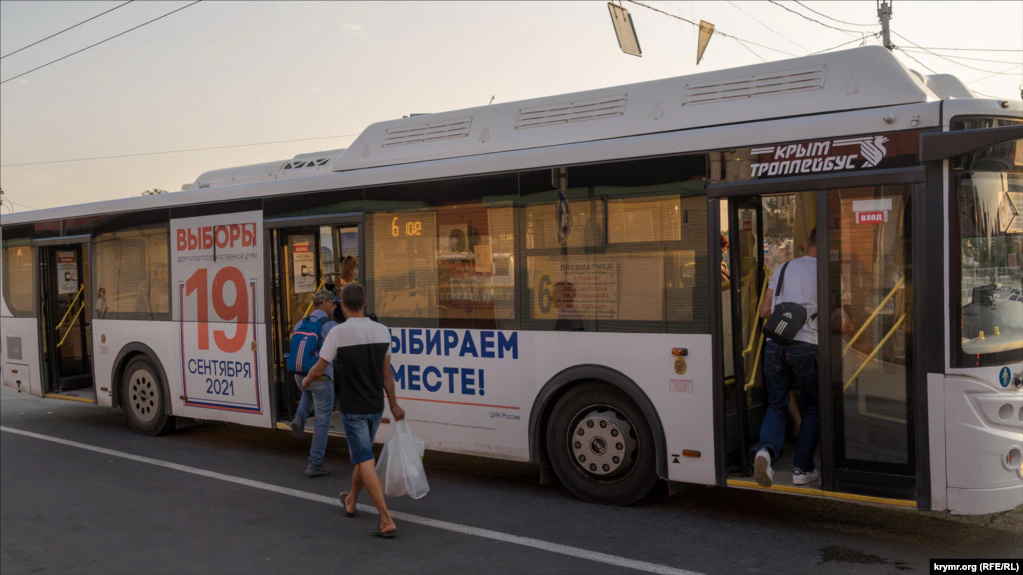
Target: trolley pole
[(884, 12)]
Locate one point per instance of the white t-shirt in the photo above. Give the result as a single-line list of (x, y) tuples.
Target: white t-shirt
[(800, 287)]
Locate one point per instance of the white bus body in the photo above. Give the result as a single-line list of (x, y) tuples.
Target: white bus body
[(491, 391)]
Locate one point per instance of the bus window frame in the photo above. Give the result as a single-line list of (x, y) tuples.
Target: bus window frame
[(937, 149), (24, 237)]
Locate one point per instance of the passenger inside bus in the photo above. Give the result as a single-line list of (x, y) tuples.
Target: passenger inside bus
[(100, 309), (348, 274)]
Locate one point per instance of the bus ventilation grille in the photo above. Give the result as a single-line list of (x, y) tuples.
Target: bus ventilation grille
[(428, 132), (771, 84), (295, 165), (575, 111)]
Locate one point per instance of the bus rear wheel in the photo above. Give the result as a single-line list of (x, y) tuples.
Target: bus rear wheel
[(601, 446), (142, 398)]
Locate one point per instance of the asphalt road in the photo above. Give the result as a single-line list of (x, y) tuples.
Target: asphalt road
[(229, 499)]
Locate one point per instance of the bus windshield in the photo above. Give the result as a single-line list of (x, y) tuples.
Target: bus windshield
[(989, 190)]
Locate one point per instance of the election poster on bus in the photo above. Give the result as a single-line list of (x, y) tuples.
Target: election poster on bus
[(217, 264)]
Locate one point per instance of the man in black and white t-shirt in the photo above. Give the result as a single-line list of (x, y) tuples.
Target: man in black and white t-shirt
[(362, 348)]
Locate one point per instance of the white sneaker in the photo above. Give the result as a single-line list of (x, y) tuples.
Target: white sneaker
[(762, 471), (800, 477)]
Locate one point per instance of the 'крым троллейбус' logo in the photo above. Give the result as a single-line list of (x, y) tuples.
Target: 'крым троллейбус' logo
[(820, 157)]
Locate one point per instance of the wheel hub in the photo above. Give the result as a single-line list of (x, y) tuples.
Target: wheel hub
[(143, 395), (602, 442)]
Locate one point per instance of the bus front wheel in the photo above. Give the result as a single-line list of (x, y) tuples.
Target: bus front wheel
[(601, 446), (142, 398)]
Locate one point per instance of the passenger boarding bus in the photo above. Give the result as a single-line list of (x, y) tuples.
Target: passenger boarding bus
[(557, 289)]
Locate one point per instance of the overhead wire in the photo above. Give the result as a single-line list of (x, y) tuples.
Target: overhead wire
[(1003, 72), (678, 8), (11, 202), (751, 51), (66, 29), (985, 95), (915, 60), (175, 151), (971, 49), (805, 17), (875, 35), (942, 57), (963, 57), (832, 18), (756, 44), (991, 73), (924, 49), (718, 32), (757, 20), (100, 42), (741, 41)]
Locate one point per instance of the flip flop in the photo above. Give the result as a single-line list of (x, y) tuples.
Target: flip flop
[(385, 534), (342, 496)]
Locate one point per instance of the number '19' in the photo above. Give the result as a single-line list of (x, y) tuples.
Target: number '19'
[(236, 312)]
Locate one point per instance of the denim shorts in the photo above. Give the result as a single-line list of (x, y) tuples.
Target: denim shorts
[(360, 429)]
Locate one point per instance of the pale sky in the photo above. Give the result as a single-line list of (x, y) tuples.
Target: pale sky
[(228, 73)]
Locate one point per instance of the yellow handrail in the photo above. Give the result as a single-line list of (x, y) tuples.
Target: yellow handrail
[(309, 309), (756, 363), (877, 310), (873, 353), (756, 311), (70, 307), (73, 320)]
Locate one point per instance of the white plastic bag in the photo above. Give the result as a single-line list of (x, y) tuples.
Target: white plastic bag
[(401, 466)]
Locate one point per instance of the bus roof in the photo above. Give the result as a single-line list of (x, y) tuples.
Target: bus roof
[(860, 78), (856, 79)]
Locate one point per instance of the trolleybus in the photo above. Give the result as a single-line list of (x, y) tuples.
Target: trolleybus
[(554, 276)]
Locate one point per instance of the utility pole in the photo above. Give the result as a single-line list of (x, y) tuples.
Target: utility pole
[(884, 12)]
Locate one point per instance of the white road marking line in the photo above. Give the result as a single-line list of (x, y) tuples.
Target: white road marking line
[(438, 524)]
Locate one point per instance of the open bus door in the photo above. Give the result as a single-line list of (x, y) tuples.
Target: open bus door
[(306, 256), (867, 436), (66, 316), (745, 275)]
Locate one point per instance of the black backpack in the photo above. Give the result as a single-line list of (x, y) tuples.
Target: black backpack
[(786, 319)]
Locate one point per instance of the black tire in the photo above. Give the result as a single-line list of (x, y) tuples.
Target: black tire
[(142, 398), (592, 412)]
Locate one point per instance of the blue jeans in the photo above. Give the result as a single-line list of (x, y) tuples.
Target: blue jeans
[(785, 367), (360, 429), (319, 399)]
